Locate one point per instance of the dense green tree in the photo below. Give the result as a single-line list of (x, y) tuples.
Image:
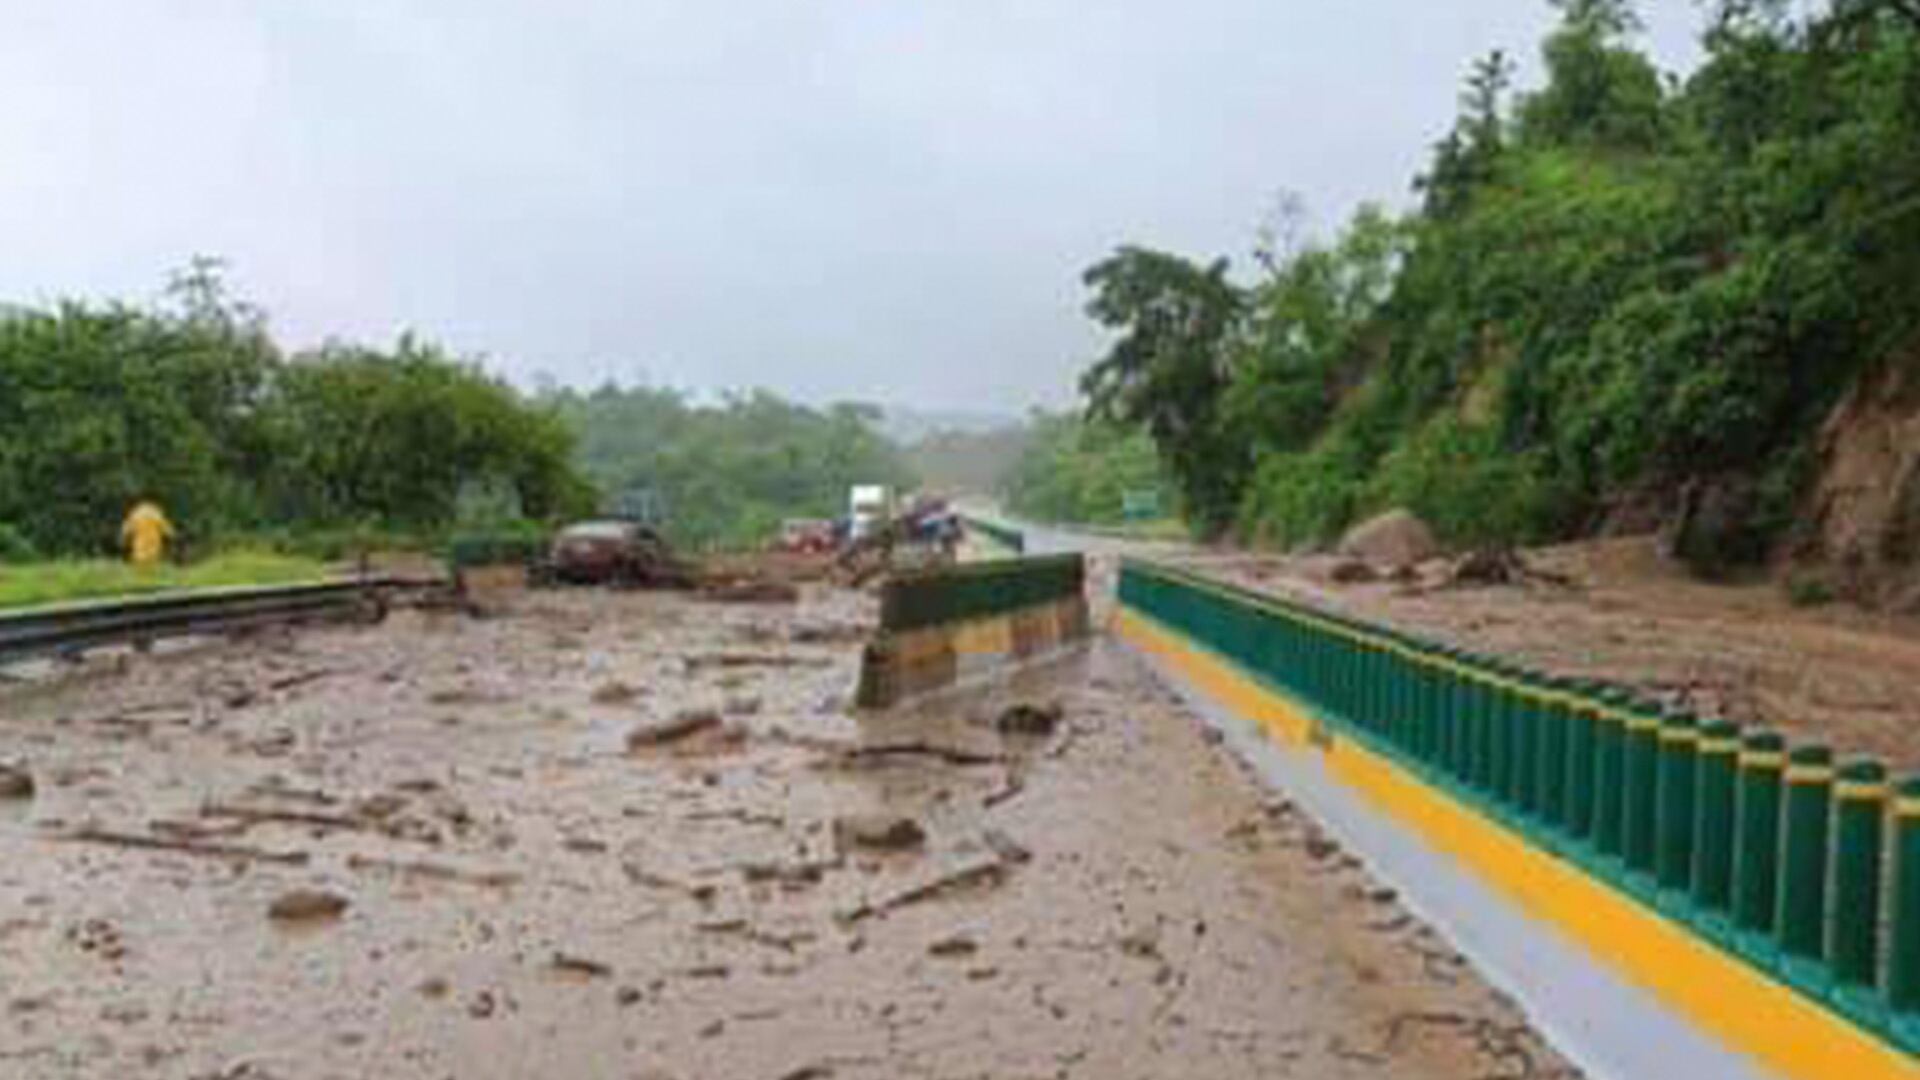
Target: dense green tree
[(1074, 470), (1616, 287), (193, 404), (1167, 367)]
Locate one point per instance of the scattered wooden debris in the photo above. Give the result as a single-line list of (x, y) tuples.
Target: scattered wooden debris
[(111, 838), (696, 661), (951, 755), (988, 870), (434, 871), (681, 725)]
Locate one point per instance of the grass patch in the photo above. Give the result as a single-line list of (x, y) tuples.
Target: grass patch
[(32, 584)]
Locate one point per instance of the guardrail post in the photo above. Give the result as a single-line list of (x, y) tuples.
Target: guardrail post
[(1903, 952), (1467, 702), (1756, 842), (1673, 803), (1714, 803), (1609, 748), (1580, 723), (1550, 752), (1502, 703), (1526, 744), (1487, 711), (1803, 852), (1853, 930), (1472, 715), (1639, 789)]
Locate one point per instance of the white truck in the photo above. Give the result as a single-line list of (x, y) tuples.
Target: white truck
[(869, 506)]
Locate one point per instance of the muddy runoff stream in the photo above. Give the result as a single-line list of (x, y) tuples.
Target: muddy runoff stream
[(639, 835)]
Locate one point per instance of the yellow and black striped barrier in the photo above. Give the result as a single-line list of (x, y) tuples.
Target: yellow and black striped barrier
[(942, 624)]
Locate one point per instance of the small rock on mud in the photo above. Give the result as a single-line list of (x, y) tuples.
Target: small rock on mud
[(881, 832), (15, 782), (953, 945), (580, 965), (307, 905), (1352, 572), (614, 693), (1026, 718)]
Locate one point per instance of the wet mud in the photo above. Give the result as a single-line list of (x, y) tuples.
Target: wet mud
[(640, 835)]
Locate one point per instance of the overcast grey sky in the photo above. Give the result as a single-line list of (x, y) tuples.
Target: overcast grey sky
[(883, 200)]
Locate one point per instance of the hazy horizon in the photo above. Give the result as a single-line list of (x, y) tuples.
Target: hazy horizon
[(874, 203)]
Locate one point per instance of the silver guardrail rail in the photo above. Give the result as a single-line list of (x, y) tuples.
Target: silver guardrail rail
[(73, 628)]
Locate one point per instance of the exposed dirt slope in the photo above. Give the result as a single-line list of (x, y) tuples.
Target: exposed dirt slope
[(1863, 517), (1834, 673)]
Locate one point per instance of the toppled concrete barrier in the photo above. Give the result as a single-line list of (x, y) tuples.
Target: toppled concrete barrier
[(940, 625)]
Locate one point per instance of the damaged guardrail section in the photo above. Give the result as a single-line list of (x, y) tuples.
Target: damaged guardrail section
[(939, 625), (1763, 893)]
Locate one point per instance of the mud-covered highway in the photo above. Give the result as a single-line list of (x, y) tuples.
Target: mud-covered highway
[(640, 835)]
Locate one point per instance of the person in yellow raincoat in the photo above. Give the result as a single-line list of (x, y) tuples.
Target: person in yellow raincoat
[(145, 533)]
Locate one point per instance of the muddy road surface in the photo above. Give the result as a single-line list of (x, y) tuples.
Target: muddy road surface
[(639, 835)]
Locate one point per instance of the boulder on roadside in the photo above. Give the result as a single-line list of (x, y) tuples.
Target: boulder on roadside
[(1395, 538)]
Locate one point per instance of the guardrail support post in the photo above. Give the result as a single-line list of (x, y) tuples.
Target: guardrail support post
[(1853, 930), (1903, 951), (1609, 748), (1639, 796), (1714, 802), (1803, 852), (1756, 843), (1550, 753), (1577, 715), (1526, 744), (1673, 805)]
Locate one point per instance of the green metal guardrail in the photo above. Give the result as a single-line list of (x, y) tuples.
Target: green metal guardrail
[(1772, 853), (976, 590), (1006, 536)]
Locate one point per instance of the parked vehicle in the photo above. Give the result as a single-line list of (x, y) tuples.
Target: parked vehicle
[(612, 552), (806, 536), (869, 508)]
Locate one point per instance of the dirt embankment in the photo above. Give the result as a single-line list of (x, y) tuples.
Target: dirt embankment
[(638, 835), (1861, 525), (1618, 610)]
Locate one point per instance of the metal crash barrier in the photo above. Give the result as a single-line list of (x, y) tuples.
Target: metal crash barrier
[(72, 629), (1773, 855)]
